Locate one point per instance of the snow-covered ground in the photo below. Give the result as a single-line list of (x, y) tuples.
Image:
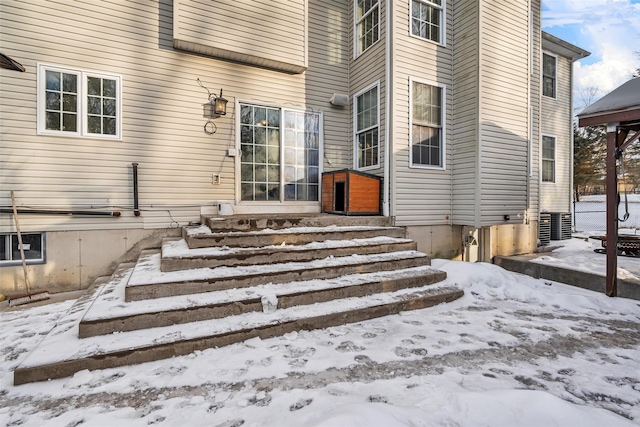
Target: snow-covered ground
[(590, 213), (514, 351)]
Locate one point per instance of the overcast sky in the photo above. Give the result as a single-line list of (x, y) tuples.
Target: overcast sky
[(609, 29)]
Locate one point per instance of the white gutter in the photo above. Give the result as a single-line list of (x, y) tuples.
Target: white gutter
[(387, 110)]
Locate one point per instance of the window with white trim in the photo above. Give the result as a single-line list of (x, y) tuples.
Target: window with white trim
[(79, 103), (548, 159), (549, 75), (33, 245), (427, 19), (367, 24), (279, 153), (367, 121), (427, 117)]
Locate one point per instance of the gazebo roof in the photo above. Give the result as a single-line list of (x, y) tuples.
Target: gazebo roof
[(622, 106)]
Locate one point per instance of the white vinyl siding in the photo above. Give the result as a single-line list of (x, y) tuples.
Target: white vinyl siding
[(367, 127), (549, 75), (420, 195), (273, 36), (162, 124), (73, 102), (556, 122), (367, 25), (428, 19), (548, 159), (427, 131)]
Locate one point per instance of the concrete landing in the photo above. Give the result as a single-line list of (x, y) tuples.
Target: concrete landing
[(627, 288)]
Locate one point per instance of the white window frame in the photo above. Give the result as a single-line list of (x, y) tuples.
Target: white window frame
[(282, 199), (83, 75), (555, 76), (8, 237), (443, 21), (356, 132), (443, 133), (357, 22), (543, 159)]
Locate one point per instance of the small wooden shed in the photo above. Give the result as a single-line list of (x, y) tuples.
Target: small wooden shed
[(619, 111), (350, 192)]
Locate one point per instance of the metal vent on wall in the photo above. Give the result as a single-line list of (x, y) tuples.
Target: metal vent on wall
[(544, 228), (560, 226)]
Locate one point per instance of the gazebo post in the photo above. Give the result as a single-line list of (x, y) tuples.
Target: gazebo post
[(612, 210)]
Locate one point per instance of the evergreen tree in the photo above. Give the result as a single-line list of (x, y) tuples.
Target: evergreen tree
[(589, 156)]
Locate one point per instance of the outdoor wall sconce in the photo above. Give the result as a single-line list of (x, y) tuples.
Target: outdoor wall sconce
[(216, 107)]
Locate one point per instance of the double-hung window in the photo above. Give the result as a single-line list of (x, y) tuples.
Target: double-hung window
[(427, 118), (549, 75), (548, 159), (367, 119), (32, 244), (427, 19), (73, 102), (367, 24)]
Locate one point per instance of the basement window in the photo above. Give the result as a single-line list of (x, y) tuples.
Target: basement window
[(33, 244)]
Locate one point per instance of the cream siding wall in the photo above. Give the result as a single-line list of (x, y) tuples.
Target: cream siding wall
[(556, 121), (421, 196), (536, 105), (365, 70), (162, 127), (504, 110), (273, 37), (464, 135)]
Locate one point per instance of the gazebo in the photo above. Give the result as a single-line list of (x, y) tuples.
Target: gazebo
[(619, 111)]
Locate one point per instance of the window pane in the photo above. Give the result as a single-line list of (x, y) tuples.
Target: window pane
[(70, 83), (109, 107), (246, 114), (260, 116), (52, 121), (273, 118), (94, 124), (53, 101), (93, 86), (93, 105), (53, 80), (246, 172), (108, 125), (4, 250), (69, 103), (70, 122), (109, 88), (31, 243)]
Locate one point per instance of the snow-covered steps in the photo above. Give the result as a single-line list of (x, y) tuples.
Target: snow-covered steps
[(62, 353), (148, 281), (204, 237), (110, 313), (176, 254), (282, 221)]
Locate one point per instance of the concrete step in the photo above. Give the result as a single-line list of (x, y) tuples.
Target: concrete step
[(110, 313), (205, 237), (148, 281), (280, 221), (176, 254), (61, 353)]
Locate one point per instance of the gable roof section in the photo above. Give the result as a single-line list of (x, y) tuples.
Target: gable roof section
[(10, 63), (562, 48), (621, 105)]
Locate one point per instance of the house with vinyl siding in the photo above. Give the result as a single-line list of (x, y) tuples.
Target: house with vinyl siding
[(441, 99)]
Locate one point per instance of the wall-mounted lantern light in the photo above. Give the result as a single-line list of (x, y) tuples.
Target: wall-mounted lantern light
[(216, 107)]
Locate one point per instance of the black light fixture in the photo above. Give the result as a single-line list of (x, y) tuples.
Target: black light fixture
[(216, 107)]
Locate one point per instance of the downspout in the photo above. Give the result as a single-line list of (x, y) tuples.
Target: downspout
[(387, 109)]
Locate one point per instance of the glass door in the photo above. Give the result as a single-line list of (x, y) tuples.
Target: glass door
[(280, 154)]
